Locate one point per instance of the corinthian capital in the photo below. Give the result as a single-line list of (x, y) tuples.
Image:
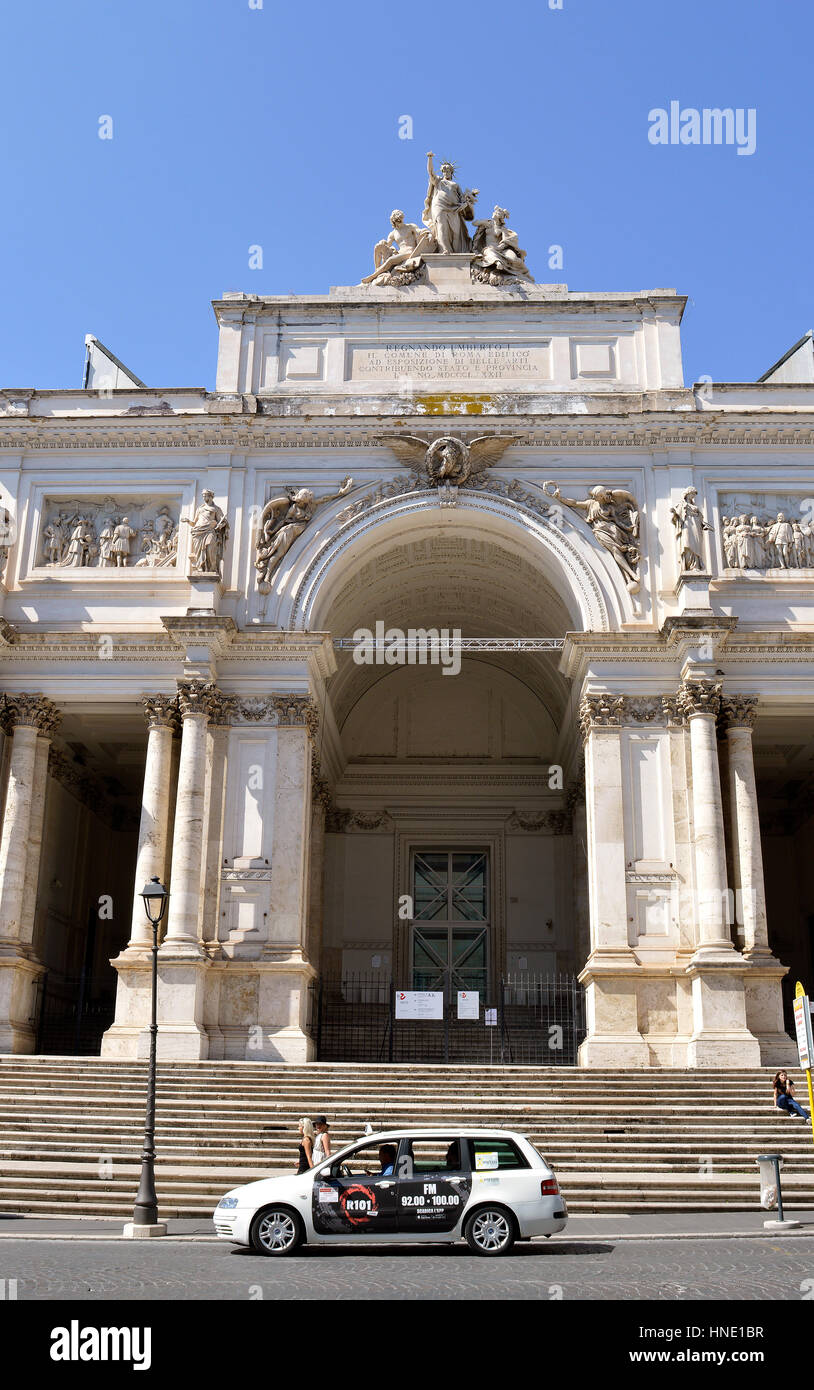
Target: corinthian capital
[(297, 711), (600, 712), (161, 711), (739, 711), (699, 697), (32, 711), (204, 698)]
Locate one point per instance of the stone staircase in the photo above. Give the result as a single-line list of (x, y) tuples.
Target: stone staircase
[(71, 1129)]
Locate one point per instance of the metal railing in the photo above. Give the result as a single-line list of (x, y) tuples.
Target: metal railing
[(539, 1020)]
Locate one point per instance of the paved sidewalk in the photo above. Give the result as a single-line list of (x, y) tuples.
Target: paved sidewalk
[(652, 1226)]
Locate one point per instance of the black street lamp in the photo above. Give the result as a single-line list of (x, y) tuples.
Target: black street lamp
[(145, 1212)]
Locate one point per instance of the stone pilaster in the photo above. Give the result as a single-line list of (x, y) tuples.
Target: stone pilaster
[(283, 991), (764, 1002), (720, 1036), (611, 971), (31, 720)]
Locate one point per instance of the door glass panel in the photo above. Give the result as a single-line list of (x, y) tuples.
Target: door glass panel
[(450, 886)]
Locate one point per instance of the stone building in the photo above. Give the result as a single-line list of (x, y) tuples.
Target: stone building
[(216, 669)]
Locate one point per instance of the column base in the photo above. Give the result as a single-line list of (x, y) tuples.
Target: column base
[(181, 1033), (614, 1050), (764, 1008), (18, 979), (134, 1232), (611, 983), (720, 1036)]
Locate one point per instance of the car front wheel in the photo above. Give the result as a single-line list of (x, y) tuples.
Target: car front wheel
[(490, 1231), (276, 1231)]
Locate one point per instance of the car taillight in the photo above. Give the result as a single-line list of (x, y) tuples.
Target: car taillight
[(548, 1187)]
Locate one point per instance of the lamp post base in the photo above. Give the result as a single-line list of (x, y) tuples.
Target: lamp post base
[(134, 1232)]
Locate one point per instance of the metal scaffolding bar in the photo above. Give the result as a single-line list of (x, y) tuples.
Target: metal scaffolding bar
[(464, 644)]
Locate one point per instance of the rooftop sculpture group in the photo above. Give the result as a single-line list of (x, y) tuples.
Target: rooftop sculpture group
[(496, 257)]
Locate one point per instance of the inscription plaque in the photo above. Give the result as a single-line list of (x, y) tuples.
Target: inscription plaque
[(529, 361)]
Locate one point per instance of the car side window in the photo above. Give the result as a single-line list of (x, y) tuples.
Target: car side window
[(432, 1156), (493, 1154)]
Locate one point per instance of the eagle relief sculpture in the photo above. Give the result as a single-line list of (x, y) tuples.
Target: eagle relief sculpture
[(449, 462)]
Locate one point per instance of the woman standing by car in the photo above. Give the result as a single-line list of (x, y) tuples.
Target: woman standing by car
[(784, 1097), (306, 1130), (322, 1143)]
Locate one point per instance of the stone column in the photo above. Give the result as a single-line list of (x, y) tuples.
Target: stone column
[(32, 719), (611, 971), (35, 832), (283, 994), (720, 1037), (764, 1001), (161, 712), (184, 910), (126, 1035)]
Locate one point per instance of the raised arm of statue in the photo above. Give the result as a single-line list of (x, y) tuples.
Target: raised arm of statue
[(344, 487), (554, 491)]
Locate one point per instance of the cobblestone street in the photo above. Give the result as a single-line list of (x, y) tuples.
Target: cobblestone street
[(757, 1269)]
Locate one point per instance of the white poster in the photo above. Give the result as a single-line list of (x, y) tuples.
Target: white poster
[(468, 1003), (490, 1018), (802, 1024), (419, 1003)]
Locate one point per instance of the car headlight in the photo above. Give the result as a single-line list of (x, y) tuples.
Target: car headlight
[(227, 1202)]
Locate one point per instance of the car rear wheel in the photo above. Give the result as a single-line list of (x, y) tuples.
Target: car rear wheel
[(276, 1231), (490, 1231)]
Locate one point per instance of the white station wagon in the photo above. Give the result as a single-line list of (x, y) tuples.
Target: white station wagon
[(489, 1186)]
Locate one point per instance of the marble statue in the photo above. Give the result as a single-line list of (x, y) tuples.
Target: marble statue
[(613, 516), (123, 536), (209, 533), (82, 545), (447, 209), (282, 520), (499, 257), (397, 259), (690, 526)]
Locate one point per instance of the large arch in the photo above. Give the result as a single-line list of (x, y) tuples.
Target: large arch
[(314, 571)]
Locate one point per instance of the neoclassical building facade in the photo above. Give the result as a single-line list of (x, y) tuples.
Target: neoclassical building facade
[(605, 769)]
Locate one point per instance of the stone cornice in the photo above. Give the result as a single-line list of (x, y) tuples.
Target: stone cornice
[(636, 427)]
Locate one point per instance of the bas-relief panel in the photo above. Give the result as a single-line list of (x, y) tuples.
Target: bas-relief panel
[(109, 532), (767, 530)]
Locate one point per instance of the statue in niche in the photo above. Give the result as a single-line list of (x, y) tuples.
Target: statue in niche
[(397, 259), (613, 516), (447, 209), (499, 256), (209, 533), (282, 520), (688, 520)]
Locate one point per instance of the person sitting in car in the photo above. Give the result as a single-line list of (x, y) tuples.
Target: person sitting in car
[(453, 1159), (387, 1159)]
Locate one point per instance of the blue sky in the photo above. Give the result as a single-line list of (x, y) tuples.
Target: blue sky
[(235, 126)]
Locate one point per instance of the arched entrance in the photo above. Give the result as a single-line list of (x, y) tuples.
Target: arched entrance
[(450, 861)]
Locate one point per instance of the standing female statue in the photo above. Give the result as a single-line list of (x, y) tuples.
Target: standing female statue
[(690, 525), (447, 209), (209, 532)]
